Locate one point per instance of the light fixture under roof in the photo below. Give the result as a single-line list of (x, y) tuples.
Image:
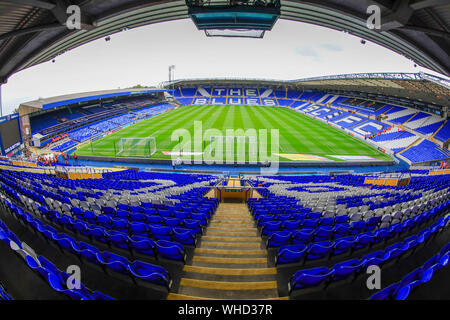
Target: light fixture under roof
[(247, 19)]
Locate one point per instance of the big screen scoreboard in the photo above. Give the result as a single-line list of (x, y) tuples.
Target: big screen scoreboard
[(10, 136)]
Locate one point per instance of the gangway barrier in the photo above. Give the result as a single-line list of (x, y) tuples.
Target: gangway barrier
[(394, 180), (438, 171), (75, 173)]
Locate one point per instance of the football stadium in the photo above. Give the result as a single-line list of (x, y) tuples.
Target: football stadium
[(334, 187)]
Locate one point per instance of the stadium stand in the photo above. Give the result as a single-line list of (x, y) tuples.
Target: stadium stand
[(425, 125), (424, 151), (64, 146), (56, 279), (312, 220), (47, 126), (420, 276), (82, 134), (112, 230), (444, 133), (135, 224), (312, 103)]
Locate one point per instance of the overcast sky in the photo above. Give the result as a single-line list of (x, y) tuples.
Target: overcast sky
[(291, 50)]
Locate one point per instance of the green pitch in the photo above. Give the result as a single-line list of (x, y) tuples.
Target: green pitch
[(301, 138)]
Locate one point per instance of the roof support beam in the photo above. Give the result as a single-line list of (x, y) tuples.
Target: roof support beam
[(421, 4), (399, 18), (431, 32), (21, 32), (35, 3)]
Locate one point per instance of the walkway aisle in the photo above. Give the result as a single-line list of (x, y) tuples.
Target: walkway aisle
[(229, 263)]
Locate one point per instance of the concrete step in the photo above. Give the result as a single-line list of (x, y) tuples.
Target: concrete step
[(231, 271)]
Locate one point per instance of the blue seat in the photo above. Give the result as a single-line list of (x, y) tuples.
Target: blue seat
[(314, 215), (443, 261), (309, 278), (67, 243), (345, 270), (341, 219), (136, 209), (377, 258), (170, 250), (402, 293), (123, 207), (386, 293), (108, 210), (139, 229), (137, 217), (154, 219), (150, 273), (48, 265), (290, 254), (57, 285), (118, 239), (358, 227), (171, 222), (90, 217), (279, 238), (303, 236), (363, 240), (396, 250), (323, 233), (270, 226), (104, 221), (121, 225), (33, 264), (122, 214), (99, 234), (342, 230), (326, 222), (343, 245), (319, 250), (181, 214), (160, 232), (445, 249), (67, 222), (283, 217), (88, 252), (113, 262), (147, 205), (200, 217), (430, 262), (184, 236), (373, 222), (310, 223), (144, 246), (380, 235), (165, 213), (194, 225), (261, 219), (414, 278), (291, 224), (395, 230)]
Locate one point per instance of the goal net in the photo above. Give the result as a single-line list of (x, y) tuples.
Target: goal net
[(136, 147), (230, 147)]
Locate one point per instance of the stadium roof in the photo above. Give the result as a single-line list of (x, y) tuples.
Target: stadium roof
[(414, 86), (68, 99), (34, 31)]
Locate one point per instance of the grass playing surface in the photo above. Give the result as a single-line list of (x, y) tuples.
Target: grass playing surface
[(300, 138)]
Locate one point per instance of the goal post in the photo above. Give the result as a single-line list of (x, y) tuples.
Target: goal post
[(136, 147)]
